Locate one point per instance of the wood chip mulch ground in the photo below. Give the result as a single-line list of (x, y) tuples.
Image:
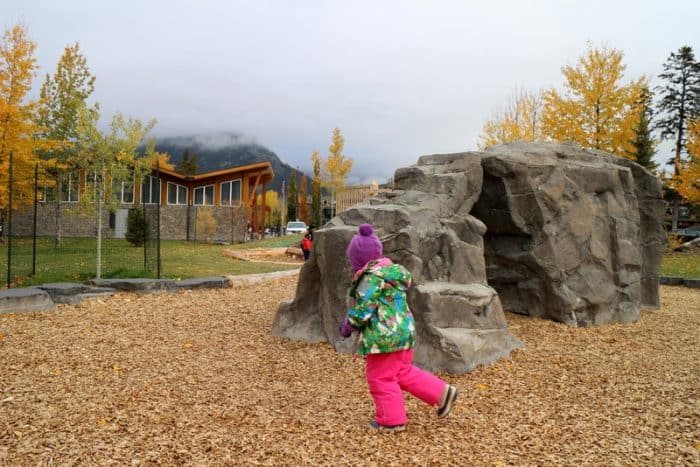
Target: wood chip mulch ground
[(196, 378)]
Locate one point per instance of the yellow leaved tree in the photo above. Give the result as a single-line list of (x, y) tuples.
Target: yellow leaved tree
[(596, 110), (337, 166), (63, 96), (19, 134), (110, 158), (273, 203), (688, 180), (272, 199), (520, 121)]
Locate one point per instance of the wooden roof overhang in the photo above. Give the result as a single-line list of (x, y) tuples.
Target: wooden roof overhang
[(261, 172)]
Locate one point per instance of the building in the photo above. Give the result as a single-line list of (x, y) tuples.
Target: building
[(354, 194), (230, 195)]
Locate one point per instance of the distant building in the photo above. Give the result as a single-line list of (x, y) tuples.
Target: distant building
[(230, 195), (354, 194)]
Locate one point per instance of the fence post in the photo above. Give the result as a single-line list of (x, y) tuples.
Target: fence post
[(36, 202), (9, 226), (160, 187)]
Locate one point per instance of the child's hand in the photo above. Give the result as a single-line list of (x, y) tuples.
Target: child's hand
[(346, 328)]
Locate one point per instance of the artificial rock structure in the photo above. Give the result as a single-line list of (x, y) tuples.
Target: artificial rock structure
[(548, 230)]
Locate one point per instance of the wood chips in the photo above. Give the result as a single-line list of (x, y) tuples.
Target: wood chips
[(196, 378)]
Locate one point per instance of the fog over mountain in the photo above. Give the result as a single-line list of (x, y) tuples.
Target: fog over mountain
[(218, 151), (223, 150)]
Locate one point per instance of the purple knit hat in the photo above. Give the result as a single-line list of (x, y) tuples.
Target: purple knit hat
[(364, 247)]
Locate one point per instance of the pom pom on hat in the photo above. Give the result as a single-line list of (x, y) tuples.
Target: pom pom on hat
[(364, 247)]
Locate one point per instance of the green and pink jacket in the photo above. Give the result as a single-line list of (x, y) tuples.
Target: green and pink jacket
[(380, 311)]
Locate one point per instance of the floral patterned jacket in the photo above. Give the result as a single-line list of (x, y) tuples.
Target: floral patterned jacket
[(380, 310)]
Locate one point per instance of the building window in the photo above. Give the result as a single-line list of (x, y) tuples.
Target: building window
[(69, 190), (150, 190), (204, 195), (231, 193), (177, 194), (123, 191), (94, 184)]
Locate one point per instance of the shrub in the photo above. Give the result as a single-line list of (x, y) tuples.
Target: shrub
[(136, 226), (206, 225)]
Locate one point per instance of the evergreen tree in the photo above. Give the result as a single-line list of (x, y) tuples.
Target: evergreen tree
[(644, 145), (292, 197), (189, 165), (680, 102), (136, 226)]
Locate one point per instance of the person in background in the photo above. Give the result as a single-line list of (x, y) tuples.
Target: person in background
[(307, 241), (381, 316)]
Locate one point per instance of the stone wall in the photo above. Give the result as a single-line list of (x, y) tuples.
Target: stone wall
[(74, 222), (176, 222)]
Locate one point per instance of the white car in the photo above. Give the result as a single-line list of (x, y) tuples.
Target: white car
[(296, 227)]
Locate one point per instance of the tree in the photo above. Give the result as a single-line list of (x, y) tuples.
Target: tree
[(316, 189), (292, 197), (136, 226), (520, 121), (110, 157), (64, 94), (272, 202), (337, 165), (687, 182), (19, 132), (596, 111), (303, 208), (643, 144), (189, 165), (679, 104), (206, 224)]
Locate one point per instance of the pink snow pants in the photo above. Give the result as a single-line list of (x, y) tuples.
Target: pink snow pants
[(390, 373)]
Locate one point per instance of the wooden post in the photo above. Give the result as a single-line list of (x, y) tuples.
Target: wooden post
[(264, 207)]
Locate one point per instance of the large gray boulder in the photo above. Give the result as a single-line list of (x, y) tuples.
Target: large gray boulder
[(425, 225), (559, 233), (573, 235)]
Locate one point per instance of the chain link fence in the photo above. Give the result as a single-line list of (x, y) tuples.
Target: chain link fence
[(47, 233)]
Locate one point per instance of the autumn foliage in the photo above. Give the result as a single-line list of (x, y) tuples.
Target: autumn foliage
[(688, 180), (18, 130), (596, 109)]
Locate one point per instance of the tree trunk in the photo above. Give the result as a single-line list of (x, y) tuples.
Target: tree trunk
[(674, 214), (98, 256), (57, 219)]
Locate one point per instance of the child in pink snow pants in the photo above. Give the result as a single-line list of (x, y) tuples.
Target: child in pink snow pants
[(385, 323)]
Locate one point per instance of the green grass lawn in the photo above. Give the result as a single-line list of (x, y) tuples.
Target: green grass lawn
[(182, 260), (75, 261), (681, 265)]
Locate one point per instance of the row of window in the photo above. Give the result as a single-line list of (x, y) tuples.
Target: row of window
[(150, 192)]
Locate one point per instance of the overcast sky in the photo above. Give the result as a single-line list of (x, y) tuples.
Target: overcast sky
[(399, 78)]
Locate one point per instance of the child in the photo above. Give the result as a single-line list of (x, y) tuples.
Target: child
[(306, 246), (307, 241), (381, 315)]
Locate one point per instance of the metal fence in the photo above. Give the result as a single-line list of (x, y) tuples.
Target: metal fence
[(46, 233)]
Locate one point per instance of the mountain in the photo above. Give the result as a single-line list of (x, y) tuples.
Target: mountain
[(224, 150)]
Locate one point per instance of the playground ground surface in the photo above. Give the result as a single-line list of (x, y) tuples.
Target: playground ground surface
[(195, 377)]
